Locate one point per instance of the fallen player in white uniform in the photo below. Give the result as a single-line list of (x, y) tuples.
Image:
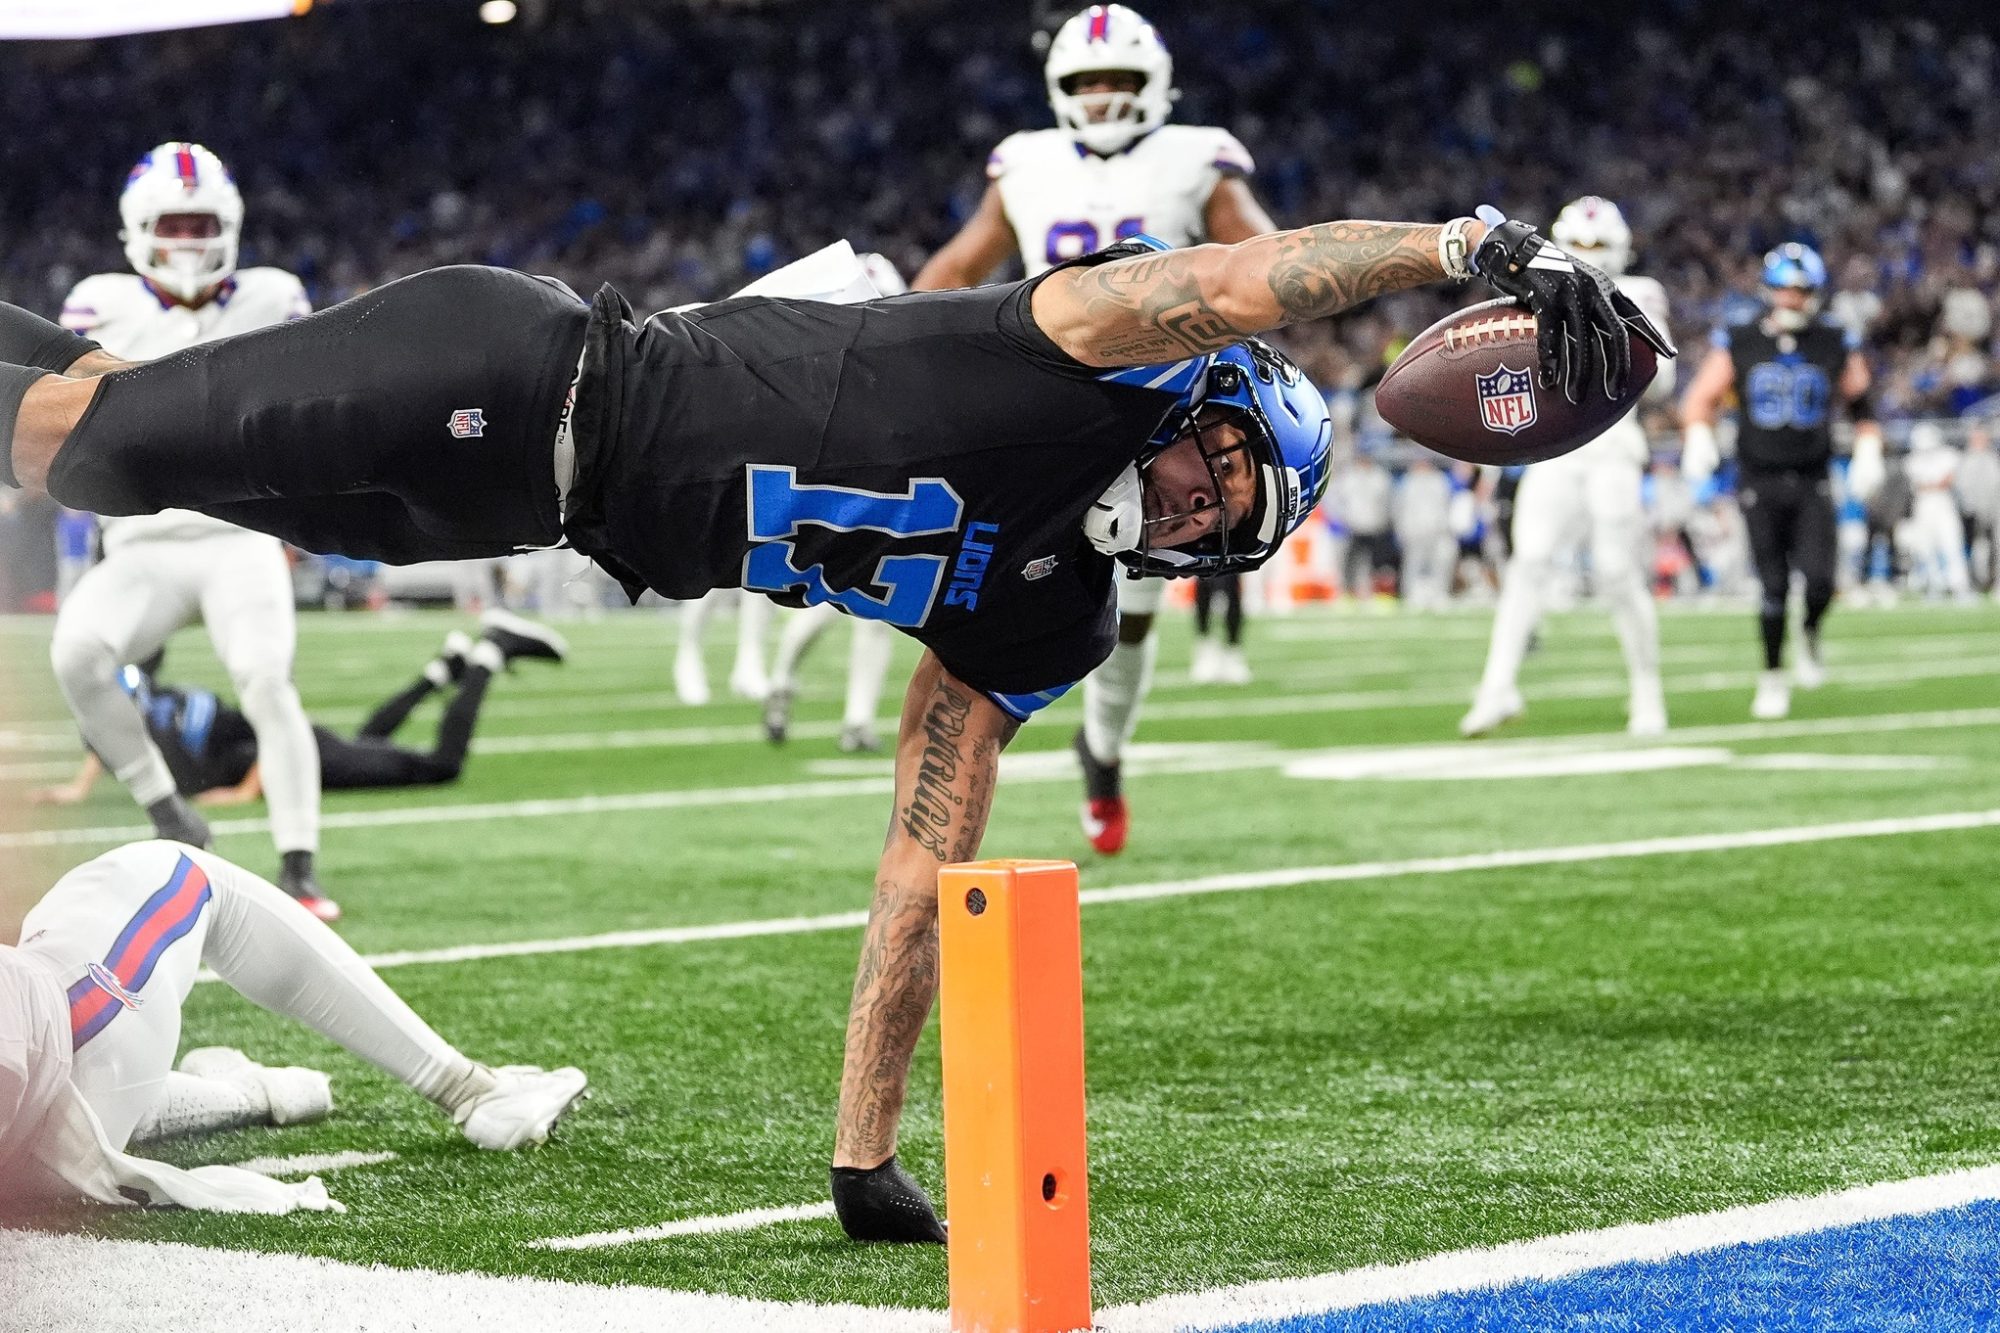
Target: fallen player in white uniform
[(90, 1019)]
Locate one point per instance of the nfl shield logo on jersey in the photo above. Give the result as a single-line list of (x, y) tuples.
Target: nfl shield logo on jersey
[(1506, 400), (468, 422)]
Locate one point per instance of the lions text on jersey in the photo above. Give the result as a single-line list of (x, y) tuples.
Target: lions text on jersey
[(133, 321), (1063, 200)]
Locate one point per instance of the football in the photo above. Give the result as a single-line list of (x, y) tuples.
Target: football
[(1466, 387)]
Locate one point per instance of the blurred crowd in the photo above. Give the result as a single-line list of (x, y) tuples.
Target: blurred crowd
[(678, 151)]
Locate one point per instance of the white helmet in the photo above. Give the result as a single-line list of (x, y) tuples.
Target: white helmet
[(174, 179), (1110, 37), (1596, 225)]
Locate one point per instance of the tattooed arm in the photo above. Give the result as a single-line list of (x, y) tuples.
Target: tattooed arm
[(947, 756), (1182, 302)]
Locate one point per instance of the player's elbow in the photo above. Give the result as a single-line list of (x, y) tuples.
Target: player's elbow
[(1237, 287)]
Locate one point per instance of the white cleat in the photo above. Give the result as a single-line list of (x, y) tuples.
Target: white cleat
[(1490, 714), (521, 1108), (1207, 666), (690, 680), (1774, 697), (748, 681), (296, 1095), (1808, 672), (1646, 713), (1234, 670)]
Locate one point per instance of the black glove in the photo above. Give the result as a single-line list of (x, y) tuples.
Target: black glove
[(884, 1203), (1584, 320)]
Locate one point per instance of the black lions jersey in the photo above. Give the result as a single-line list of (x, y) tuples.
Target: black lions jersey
[(205, 742), (1787, 383), (924, 460)]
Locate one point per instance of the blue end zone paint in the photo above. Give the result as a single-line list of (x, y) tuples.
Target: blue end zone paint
[(1938, 1271)]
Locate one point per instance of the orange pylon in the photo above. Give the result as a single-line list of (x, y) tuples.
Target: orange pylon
[(1016, 1188)]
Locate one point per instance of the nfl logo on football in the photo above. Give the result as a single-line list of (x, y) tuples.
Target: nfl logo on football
[(468, 422), (1506, 400)]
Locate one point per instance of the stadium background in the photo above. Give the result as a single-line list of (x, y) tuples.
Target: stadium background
[(1479, 1058)]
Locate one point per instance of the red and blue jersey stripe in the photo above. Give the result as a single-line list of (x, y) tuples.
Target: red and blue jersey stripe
[(112, 986)]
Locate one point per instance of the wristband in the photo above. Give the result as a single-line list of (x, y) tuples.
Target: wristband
[(1455, 249)]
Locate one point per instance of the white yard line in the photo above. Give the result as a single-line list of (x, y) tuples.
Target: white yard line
[(1243, 881), (307, 1163), (1553, 1256), (1027, 766), (748, 1220), (57, 1283), (1451, 691), (63, 1282)]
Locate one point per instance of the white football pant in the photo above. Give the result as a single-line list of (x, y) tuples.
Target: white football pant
[(1937, 543), (1592, 494), (753, 618), (867, 658), (1112, 693), (127, 933), (239, 586)]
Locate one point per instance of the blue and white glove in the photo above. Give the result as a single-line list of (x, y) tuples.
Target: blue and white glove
[(1584, 321)]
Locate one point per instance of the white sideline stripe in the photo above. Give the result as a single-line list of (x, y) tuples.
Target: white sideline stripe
[(307, 1163), (747, 1220), (1025, 767), (1242, 881), (77, 1282), (1553, 1256)]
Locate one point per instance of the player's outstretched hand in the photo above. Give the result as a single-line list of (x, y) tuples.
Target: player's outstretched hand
[(1585, 322), (883, 1203)]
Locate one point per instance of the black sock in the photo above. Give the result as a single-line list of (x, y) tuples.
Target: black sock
[(1771, 626), (884, 1204)]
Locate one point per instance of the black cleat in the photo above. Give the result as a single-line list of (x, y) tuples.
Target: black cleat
[(777, 715), (177, 821), (516, 636), (298, 879), (884, 1204)]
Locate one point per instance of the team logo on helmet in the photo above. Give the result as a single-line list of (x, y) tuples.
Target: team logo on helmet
[(1506, 399), (108, 982), (468, 423)]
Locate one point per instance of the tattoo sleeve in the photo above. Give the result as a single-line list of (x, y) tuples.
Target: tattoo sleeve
[(947, 758), (1185, 302)]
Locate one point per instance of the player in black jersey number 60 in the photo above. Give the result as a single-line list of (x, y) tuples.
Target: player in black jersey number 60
[(1789, 370), (969, 466)]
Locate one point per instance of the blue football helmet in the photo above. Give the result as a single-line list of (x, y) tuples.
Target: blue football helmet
[(1286, 432), (1795, 264)]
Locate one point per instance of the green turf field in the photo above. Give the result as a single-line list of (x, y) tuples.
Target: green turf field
[(1283, 1081)]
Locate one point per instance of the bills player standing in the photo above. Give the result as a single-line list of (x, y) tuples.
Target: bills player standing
[(1112, 168), (183, 216), (1594, 494)]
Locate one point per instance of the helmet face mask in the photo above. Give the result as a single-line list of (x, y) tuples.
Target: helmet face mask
[(183, 220), (1108, 40), (1250, 440)]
